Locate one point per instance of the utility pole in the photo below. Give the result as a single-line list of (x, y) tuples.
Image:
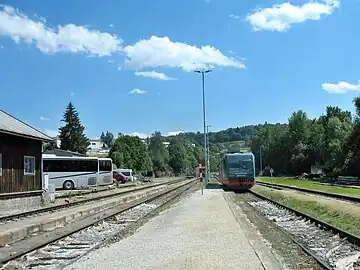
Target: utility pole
[(204, 118)]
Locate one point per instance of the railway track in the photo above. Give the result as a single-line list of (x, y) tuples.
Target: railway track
[(64, 248), (331, 247), (73, 193), (311, 191), (50, 209)]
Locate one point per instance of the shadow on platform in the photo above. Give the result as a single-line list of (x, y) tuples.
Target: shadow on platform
[(213, 186)]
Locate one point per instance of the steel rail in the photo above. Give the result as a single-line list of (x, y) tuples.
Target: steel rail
[(71, 204), (83, 225), (312, 191), (318, 260), (130, 227), (352, 238)]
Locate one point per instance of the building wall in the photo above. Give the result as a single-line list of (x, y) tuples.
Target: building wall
[(95, 145), (13, 149)]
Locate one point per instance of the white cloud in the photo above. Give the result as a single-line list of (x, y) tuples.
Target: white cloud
[(144, 135), (162, 52), (72, 94), (70, 38), (66, 38), (2, 47), (137, 91), (140, 135), (173, 133), (154, 75), (281, 17), (340, 87), (42, 118), (233, 16), (111, 25)]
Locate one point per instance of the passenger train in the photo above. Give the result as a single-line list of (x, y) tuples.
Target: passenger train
[(237, 170)]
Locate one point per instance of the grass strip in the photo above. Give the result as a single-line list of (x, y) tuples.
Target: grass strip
[(310, 185), (340, 219)]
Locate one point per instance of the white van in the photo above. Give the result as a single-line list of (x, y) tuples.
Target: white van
[(128, 173)]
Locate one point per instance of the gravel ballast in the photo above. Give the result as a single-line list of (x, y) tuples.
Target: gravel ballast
[(199, 232)]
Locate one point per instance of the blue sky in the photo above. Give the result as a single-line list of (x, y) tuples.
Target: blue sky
[(127, 65)]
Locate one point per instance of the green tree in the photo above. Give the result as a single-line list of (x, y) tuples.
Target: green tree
[(130, 152), (159, 154), (102, 136), (352, 145), (107, 138), (178, 156), (316, 143), (72, 134)]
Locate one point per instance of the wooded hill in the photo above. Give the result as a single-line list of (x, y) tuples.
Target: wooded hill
[(331, 141)]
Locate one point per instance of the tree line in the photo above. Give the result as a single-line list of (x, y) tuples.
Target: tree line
[(330, 141), (156, 155)]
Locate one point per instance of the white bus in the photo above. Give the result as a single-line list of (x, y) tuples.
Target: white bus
[(105, 171), (71, 172)]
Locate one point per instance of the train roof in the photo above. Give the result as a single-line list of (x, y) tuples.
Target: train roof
[(239, 154)]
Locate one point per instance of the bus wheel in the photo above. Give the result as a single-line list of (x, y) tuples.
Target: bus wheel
[(68, 185)]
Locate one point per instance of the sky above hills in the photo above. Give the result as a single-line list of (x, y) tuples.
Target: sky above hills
[(128, 65)]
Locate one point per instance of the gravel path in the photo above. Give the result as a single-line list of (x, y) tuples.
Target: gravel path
[(199, 232)]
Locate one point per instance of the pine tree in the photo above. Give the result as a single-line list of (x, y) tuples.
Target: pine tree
[(72, 135), (102, 137)]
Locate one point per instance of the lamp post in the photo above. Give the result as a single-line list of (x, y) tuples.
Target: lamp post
[(208, 150), (261, 161), (202, 72)]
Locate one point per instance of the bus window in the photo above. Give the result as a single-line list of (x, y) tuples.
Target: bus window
[(105, 165)]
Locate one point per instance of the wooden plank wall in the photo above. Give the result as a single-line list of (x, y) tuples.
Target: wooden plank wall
[(13, 150)]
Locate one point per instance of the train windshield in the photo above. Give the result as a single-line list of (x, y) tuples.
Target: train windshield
[(240, 163)]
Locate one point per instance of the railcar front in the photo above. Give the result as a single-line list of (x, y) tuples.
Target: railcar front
[(237, 171)]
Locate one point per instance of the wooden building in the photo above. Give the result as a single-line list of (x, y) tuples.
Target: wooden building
[(20, 155)]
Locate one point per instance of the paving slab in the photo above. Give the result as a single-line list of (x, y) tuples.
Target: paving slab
[(199, 232)]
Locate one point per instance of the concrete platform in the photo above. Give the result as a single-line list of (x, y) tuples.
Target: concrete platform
[(16, 230), (200, 232)]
